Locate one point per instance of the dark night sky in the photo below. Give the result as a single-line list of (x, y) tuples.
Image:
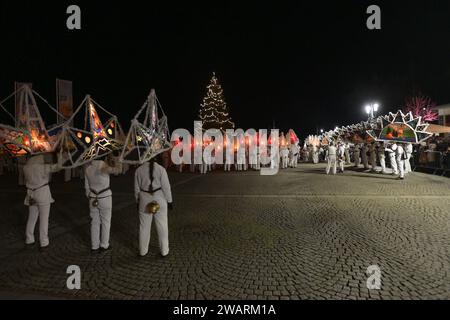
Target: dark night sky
[(302, 65)]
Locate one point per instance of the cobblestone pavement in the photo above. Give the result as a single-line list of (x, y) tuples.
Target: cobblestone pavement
[(298, 235)]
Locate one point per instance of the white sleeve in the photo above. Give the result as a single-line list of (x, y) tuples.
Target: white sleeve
[(86, 184), (137, 188), (165, 185)]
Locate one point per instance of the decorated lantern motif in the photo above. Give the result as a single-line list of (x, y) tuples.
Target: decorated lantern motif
[(94, 140), (394, 127), (148, 135), (27, 133), (399, 127)]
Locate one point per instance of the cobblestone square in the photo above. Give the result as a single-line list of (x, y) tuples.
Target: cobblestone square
[(298, 235)]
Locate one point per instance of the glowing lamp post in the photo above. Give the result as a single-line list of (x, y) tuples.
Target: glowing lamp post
[(371, 110)]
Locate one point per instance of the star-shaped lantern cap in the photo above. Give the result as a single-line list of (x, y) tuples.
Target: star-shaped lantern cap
[(25, 132), (148, 135), (400, 127), (292, 137), (81, 144)]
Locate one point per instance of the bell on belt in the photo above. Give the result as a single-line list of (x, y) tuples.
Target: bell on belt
[(153, 207), (95, 203)]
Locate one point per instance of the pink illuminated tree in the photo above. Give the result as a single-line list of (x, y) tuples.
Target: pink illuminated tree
[(421, 106)]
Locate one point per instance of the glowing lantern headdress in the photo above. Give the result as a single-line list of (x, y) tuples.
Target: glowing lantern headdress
[(94, 140), (148, 135), (27, 133), (394, 127), (292, 136), (400, 127)]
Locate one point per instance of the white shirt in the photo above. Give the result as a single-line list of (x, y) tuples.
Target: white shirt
[(341, 151), (400, 152), (331, 151), (97, 178), (37, 176), (160, 180), (409, 148)]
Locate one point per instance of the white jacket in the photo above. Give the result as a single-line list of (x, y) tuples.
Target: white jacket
[(97, 178), (37, 176), (142, 184)]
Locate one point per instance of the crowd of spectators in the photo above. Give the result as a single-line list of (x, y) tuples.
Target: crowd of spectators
[(433, 154)]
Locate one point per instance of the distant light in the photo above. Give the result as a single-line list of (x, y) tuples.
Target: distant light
[(375, 107), (368, 109), (321, 130)]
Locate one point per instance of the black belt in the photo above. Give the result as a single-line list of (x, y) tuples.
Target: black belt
[(151, 191), (99, 193), (33, 190)]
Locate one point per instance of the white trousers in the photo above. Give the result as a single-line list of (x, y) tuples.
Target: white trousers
[(365, 161), (401, 167), (383, 163), (285, 162), (315, 158), (373, 161), (331, 165), (393, 164), (357, 159), (34, 212), (101, 223), (341, 164), (408, 168), (162, 228), (293, 162)]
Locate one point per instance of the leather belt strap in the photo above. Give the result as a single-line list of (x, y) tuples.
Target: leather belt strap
[(151, 191), (99, 193), (33, 190)]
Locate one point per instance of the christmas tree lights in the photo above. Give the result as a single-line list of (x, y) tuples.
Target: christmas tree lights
[(214, 111)]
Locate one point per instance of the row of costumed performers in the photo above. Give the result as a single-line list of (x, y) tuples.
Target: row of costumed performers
[(95, 149), (369, 144), (238, 152)]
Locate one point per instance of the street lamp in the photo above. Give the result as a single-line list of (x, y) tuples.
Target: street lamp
[(371, 109)]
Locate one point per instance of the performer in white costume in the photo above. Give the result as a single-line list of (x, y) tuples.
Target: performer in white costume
[(347, 153), (315, 154), (373, 157), (151, 183), (253, 157), (401, 157), (97, 185), (331, 158), (293, 155), (409, 151), (382, 157), (365, 160), (391, 150), (341, 156), (284, 153), (357, 155), (39, 198)]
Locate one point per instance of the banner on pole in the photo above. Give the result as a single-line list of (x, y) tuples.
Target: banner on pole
[(64, 99)]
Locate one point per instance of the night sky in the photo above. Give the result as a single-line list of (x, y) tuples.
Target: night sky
[(303, 65)]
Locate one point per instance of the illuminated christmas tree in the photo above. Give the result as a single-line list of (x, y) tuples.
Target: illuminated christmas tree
[(214, 111)]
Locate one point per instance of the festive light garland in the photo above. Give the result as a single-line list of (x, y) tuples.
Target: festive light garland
[(214, 111)]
